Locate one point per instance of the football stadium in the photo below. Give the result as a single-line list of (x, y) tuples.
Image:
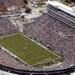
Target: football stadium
[(45, 46)]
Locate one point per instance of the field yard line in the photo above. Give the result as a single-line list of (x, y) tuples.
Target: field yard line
[(40, 45)]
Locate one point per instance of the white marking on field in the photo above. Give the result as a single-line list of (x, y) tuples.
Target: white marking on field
[(38, 62)]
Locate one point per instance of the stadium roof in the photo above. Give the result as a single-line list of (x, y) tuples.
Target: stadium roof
[(62, 7)]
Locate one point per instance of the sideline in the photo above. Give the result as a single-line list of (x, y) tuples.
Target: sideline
[(36, 63)]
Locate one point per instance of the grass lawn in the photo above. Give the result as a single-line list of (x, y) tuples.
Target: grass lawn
[(26, 49)]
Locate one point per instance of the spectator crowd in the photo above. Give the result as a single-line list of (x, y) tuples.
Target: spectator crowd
[(52, 33), (55, 35), (6, 26)]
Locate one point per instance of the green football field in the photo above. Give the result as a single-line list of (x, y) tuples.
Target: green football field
[(26, 49)]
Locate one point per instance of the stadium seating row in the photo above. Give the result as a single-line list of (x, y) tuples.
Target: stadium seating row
[(55, 35)]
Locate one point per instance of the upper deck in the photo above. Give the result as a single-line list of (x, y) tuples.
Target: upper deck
[(62, 7)]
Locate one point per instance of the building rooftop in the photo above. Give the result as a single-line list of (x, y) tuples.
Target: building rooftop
[(63, 7)]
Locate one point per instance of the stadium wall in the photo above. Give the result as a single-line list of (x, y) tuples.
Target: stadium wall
[(56, 13), (27, 72)]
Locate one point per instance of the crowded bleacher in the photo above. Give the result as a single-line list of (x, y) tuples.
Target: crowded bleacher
[(52, 33), (6, 26), (7, 60), (55, 35)]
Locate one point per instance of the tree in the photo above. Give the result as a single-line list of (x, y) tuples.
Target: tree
[(25, 1), (28, 10)]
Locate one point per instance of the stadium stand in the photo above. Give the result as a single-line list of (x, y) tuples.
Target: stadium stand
[(6, 26), (55, 35), (7, 60)]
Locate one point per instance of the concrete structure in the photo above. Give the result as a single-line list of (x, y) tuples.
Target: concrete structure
[(62, 7)]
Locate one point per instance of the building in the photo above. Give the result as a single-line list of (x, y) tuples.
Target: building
[(3, 8), (4, 4)]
